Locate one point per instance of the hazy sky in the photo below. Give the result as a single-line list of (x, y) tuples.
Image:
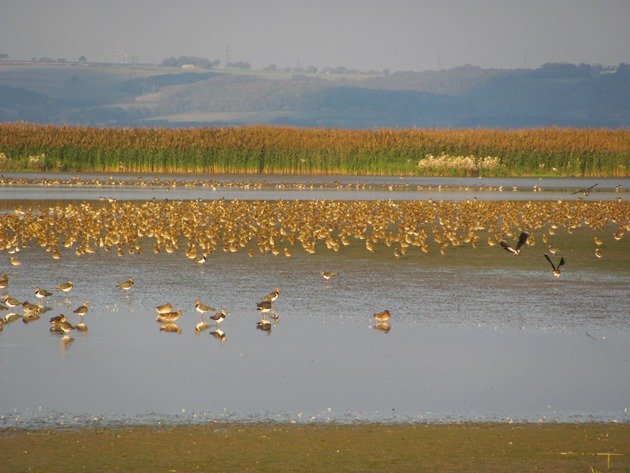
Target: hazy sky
[(362, 34)]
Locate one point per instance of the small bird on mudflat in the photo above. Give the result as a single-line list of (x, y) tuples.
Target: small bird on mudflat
[(556, 269), (264, 306), (66, 286), (164, 308), (11, 301), (272, 296), (126, 285), (169, 317), (522, 239), (329, 274), (202, 308), (4, 281), (383, 316), (82, 309), (41, 293), (219, 316)]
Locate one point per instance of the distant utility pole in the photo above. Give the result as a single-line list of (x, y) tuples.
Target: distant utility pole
[(227, 54), (118, 52)]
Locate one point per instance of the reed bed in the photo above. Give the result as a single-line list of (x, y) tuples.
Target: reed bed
[(281, 227), (286, 150)]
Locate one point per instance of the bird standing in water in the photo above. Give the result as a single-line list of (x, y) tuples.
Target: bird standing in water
[(125, 285)]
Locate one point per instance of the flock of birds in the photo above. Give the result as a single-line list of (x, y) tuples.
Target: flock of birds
[(214, 184), (279, 227), (167, 315)]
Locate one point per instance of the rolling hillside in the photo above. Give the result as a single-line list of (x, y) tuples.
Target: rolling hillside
[(144, 95)]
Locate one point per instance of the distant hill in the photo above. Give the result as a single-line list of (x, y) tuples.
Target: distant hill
[(467, 96)]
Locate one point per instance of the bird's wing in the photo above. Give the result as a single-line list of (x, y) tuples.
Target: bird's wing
[(591, 187), (522, 239), (551, 262), (504, 245), (561, 262)]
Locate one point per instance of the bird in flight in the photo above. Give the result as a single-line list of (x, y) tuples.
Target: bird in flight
[(556, 269), (521, 241), (585, 191)]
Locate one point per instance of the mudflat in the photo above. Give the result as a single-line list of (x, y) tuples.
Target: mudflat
[(320, 447)]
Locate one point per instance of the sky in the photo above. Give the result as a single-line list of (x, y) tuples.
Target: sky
[(358, 34)]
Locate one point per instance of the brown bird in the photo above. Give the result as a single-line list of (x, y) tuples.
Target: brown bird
[(521, 241), (11, 301), (66, 286), (82, 309), (164, 308), (169, 317), (41, 293), (219, 316), (329, 274), (202, 308), (383, 316), (556, 269), (272, 296), (264, 306), (4, 281), (125, 285)]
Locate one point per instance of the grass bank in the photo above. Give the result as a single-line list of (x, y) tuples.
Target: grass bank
[(280, 447), (285, 150)]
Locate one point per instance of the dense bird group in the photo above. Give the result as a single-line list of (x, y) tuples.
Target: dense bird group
[(277, 227), (199, 228)]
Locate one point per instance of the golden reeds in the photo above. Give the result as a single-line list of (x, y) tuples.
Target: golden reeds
[(263, 149)]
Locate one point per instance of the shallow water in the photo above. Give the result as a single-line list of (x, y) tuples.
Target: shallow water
[(478, 335), (264, 187)]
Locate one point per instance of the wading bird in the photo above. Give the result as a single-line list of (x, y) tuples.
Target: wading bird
[(521, 241), (383, 316), (219, 316), (272, 296), (164, 308), (125, 285), (264, 306), (66, 286), (556, 269), (41, 293), (202, 308), (82, 309)]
